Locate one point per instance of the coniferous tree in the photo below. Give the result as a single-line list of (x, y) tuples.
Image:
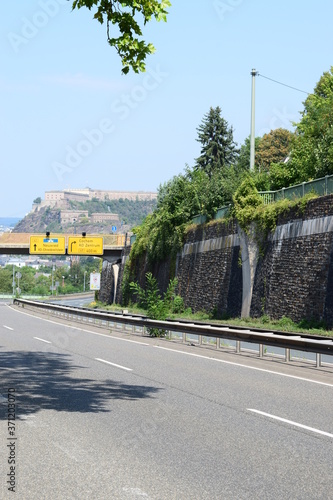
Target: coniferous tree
[(218, 147)]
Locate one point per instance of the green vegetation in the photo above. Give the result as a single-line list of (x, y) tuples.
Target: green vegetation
[(131, 212), (283, 324), (156, 306), (32, 282), (273, 147), (249, 207), (131, 50), (221, 175), (218, 149), (265, 322), (199, 190), (54, 227), (312, 149)]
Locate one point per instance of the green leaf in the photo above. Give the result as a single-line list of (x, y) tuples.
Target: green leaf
[(127, 17)]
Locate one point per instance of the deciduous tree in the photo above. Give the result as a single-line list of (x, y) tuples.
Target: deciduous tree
[(273, 147), (312, 152), (123, 18)]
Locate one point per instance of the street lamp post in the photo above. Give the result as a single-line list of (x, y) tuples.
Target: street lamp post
[(52, 279), (18, 276), (14, 281), (252, 136), (84, 281)]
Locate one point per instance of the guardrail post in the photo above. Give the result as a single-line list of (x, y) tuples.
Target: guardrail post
[(287, 356)]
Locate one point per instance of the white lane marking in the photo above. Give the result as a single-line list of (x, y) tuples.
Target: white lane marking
[(112, 337), (179, 352), (291, 422), (78, 454), (8, 327), (80, 329), (245, 366), (42, 340), (29, 422), (114, 364)]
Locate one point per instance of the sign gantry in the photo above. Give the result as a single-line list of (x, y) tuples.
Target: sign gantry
[(77, 245), (85, 245), (41, 245)]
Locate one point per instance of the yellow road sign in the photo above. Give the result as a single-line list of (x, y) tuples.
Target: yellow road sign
[(46, 245), (78, 245)]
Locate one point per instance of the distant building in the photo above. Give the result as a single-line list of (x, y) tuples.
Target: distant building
[(54, 196), (71, 216), (126, 195), (17, 262), (59, 197), (62, 199), (104, 217), (34, 263)]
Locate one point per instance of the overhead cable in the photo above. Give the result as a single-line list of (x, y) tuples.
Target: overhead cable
[(284, 84)]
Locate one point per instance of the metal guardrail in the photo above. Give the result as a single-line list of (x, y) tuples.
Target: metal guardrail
[(222, 212), (300, 342), (199, 219), (322, 187)]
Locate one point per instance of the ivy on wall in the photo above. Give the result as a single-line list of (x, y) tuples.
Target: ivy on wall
[(249, 208)]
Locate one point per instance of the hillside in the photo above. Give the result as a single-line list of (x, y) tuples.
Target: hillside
[(130, 212)]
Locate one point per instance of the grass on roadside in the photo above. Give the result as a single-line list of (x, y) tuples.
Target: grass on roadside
[(265, 322)]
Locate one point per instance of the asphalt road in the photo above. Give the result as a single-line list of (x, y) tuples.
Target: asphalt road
[(103, 417), (74, 302)]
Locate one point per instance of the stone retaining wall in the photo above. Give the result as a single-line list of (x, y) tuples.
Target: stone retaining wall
[(293, 276)]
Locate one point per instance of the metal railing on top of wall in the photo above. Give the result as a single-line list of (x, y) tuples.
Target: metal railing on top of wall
[(322, 187)]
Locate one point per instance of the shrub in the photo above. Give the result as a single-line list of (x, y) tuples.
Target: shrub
[(178, 306), (157, 307)]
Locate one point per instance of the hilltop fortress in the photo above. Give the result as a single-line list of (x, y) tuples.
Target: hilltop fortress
[(61, 199), (63, 202)]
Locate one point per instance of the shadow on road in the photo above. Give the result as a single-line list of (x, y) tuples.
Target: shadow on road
[(50, 381)]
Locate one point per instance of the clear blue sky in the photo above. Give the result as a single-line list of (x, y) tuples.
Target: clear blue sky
[(62, 90)]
